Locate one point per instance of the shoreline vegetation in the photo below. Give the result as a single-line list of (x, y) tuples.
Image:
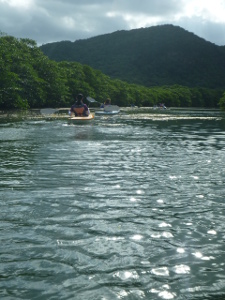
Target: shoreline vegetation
[(30, 80)]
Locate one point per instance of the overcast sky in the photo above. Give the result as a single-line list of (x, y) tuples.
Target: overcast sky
[(47, 21)]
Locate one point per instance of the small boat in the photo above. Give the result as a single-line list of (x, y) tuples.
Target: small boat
[(108, 110), (103, 112), (82, 119)]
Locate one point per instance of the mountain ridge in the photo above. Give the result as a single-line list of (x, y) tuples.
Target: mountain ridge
[(153, 56)]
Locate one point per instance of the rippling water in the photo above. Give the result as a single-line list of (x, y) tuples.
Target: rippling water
[(127, 207)]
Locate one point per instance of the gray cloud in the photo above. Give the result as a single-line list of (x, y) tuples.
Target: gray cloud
[(213, 32), (56, 20), (153, 7)]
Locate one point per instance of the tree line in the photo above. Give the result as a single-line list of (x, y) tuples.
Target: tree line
[(29, 79)]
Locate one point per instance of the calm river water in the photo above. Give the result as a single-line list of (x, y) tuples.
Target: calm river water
[(127, 207)]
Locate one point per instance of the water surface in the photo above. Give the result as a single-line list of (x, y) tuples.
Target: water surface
[(126, 207)]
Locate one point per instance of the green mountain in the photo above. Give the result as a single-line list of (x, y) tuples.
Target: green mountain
[(154, 56), (29, 79)]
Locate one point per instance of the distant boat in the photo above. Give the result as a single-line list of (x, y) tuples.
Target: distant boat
[(103, 112), (108, 110), (159, 107)]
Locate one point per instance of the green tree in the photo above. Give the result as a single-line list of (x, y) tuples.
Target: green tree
[(222, 102)]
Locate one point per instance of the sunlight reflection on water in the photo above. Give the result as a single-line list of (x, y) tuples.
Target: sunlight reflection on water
[(130, 207)]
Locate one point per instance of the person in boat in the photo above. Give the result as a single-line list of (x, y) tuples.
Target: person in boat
[(162, 105), (106, 103), (79, 108)]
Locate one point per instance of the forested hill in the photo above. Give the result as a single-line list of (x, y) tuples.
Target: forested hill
[(29, 79), (154, 56)]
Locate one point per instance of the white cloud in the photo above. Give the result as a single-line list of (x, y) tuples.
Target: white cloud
[(19, 4), (207, 10)]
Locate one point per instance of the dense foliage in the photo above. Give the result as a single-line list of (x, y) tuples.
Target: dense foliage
[(29, 79), (154, 56)]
